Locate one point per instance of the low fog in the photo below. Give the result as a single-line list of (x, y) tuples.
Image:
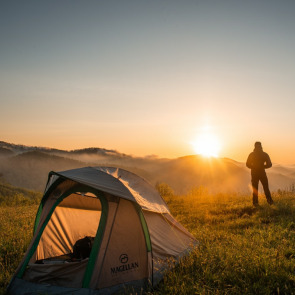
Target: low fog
[(28, 167)]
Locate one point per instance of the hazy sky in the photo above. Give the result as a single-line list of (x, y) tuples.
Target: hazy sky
[(147, 77)]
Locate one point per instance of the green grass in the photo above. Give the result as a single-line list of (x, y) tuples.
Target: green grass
[(14, 196), (16, 230), (242, 249), (17, 213)]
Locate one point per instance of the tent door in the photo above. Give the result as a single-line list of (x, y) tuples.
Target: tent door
[(77, 214)]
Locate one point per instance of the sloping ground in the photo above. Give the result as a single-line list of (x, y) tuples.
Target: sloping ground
[(16, 230), (4, 152), (193, 171), (15, 196), (29, 167), (242, 249), (30, 170)]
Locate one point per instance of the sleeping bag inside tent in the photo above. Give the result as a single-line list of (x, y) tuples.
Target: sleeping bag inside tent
[(99, 230)]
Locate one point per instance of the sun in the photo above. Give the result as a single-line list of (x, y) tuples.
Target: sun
[(207, 145)]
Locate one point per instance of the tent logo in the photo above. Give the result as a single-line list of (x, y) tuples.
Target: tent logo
[(124, 265), (123, 258)]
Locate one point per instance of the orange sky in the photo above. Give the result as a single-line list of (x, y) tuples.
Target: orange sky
[(147, 78)]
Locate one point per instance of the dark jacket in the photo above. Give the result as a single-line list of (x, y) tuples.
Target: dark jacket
[(258, 160)]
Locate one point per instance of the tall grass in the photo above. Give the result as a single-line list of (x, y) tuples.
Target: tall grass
[(242, 250), (13, 196), (16, 229), (17, 213)]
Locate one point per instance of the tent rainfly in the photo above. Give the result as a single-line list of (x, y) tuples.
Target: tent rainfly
[(99, 230)]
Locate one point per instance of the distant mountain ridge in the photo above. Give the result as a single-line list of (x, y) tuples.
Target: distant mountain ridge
[(28, 167), (19, 148)]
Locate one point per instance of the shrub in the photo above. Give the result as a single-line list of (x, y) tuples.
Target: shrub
[(164, 189)]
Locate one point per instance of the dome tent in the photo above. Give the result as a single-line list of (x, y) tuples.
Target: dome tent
[(133, 235)]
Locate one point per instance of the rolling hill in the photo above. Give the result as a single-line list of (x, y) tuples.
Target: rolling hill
[(28, 167)]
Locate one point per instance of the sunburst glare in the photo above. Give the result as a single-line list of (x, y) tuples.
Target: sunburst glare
[(207, 145)]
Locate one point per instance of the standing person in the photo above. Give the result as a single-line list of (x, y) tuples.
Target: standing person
[(258, 161)]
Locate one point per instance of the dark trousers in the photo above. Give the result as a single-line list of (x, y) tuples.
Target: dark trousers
[(256, 177)]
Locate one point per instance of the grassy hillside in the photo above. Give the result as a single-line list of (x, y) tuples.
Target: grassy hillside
[(18, 207), (12, 196), (16, 229), (242, 250)]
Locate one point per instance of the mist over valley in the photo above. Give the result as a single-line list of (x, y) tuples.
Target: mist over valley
[(28, 167)]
